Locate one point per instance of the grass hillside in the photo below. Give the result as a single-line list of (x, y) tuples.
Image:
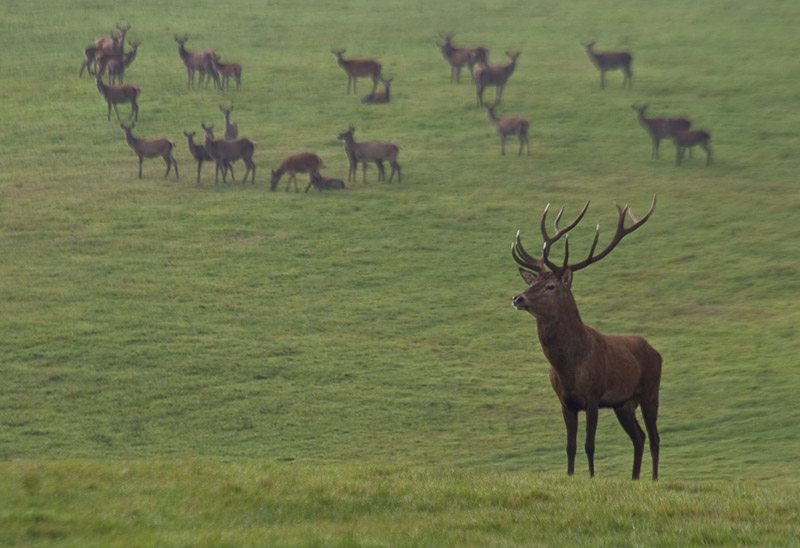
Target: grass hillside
[(172, 351)]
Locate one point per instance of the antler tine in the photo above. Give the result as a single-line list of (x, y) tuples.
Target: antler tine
[(549, 241), (524, 259)]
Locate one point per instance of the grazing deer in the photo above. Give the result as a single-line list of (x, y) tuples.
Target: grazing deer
[(195, 61), (118, 94), (589, 370), (611, 60), (231, 128), (114, 65), (224, 152), (658, 128), (370, 151), (226, 70), (379, 96), (359, 67), (510, 126), (325, 183), (305, 162), (458, 57), (200, 154), (150, 148), (497, 76), (689, 139)]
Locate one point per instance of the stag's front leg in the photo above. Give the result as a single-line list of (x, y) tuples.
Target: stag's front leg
[(591, 429), (571, 422)]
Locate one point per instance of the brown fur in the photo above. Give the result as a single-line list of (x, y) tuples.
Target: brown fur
[(658, 128), (611, 60)]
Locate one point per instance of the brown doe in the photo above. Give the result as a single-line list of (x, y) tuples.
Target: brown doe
[(497, 76), (659, 128), (231, 128), (195, 61), (325, 183), (224, 152), (359, 67), (150, 148), (200, 154), (370, 151), (378, 97), (611, 60), (459, 57), (510, 126), (689, 139), (589, 370), (115, 64), (113, 43), (226, 70), (305, 162), (118, 94)]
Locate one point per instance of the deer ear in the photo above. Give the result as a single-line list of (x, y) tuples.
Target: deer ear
[(566, 278), (528, 276)]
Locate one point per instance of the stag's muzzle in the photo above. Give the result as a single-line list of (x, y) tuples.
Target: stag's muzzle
[(519, 302)]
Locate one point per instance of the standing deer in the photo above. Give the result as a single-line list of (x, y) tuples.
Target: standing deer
[(589, 370), (114, 65), (305, 162), (497, 76), (118, 94), (195, 61), (611, 60), (113, 43), (658, 128), (226, 70), (370, 151), (231, 128), (150, 148), (359, 67), (458, 57), (377, 97), (689, 139), (325, 183), (224, 152), (200, 154), (510, 126)]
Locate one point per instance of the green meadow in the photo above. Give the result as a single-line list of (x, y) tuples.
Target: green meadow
[(222, 365)]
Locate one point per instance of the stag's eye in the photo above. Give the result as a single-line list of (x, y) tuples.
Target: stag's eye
[(550, 287)]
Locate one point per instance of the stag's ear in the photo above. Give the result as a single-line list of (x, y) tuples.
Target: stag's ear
[(566, 278), (528, 276)]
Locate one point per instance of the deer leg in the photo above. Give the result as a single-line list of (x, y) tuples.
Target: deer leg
[(650, 415), (141, 159), (167, 161), (571, 422), (199, 165), (135, 110), (678, 155), (381, 171), (396, 166), (364, 173), (627, 419), (591, 429), (502, 145), (602, 79), (708, 153), (175, 163), (229, 166), (656, 142)]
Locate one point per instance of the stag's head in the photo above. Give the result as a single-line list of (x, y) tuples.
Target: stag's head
[(549, 284)]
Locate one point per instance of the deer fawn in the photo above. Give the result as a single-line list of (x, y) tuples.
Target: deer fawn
[(231, 128), (458, 57), (611, 60), (150, 148), (658, 128), (224, 152), (510, 126), (226, 70), (379, 96), (689, 139), (118, 94), (359, 67), (370, 151), (325, 183), (305, 162), (589, 370), (494, 76)]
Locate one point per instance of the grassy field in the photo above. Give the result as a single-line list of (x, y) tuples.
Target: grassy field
[(216, 365)]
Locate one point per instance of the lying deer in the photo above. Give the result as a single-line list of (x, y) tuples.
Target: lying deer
[(658, 128), (458, 57), (589, 370), (200, 154), (359, 67), (225, 152), (150, 148), (305, 162), (689, 139), (118, 94), (325, 183), (497, 76), (379, 96), (510, 126), (370, 151), (231, 128), (611, 60)]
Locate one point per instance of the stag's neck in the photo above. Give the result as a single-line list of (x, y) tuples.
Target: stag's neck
[(565, 339)]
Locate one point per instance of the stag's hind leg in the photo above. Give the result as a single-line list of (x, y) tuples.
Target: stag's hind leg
[(650, 415), (627, 419)]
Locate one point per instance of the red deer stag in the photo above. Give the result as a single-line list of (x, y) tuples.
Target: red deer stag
[(658, 128), (325, 183), (150, 148), (589, 370), (370, 151), (118, 94), (231, 128), (377, 97), (199, 61), (200, 154), (305, 162), (689, 139), (611, 60), (485, 76), (510, 126), (458, 57), (224, 152), (359, 67)]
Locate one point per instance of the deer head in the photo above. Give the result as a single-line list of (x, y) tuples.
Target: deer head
[(549, 284)]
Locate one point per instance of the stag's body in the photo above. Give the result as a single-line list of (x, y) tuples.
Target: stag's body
[(689, 139), (589, 370), (659, 128), (118, 94), (458, 57), (231, 128), (325, 183), (379, 96), (151, 148), (611, 60), (359, 67), (200, 154), (224, 152), (510, 126), (370, 151), (200, 61), (305, 162), (497, 76)]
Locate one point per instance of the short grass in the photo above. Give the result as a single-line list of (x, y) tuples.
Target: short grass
[(206, 349)]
